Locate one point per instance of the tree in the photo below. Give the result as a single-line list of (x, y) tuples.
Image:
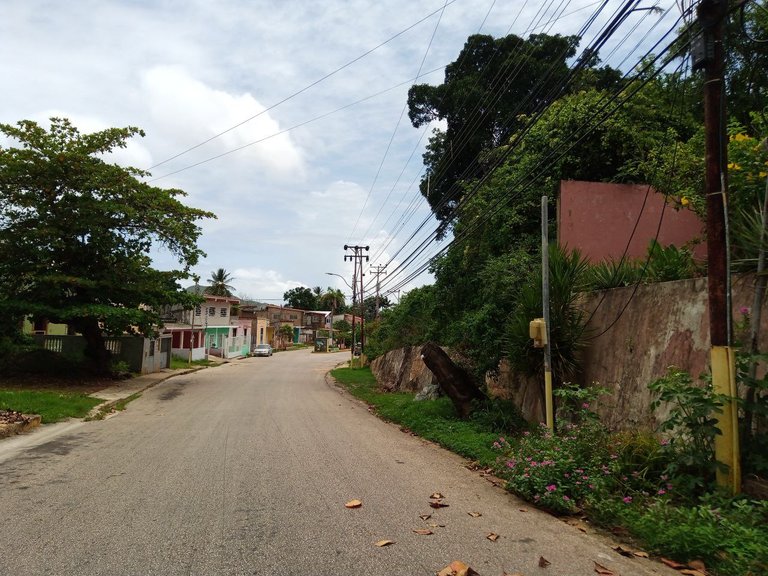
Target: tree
[(219, 283), (486, 90), (301, 297), (76, 232), (332, 299)]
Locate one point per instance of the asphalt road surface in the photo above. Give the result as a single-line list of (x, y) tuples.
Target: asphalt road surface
[(245, 469)]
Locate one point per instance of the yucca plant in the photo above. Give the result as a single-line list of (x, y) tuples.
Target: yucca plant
[(567, 275), (613, 274)]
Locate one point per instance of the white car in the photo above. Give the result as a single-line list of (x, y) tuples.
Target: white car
[(262, 350)]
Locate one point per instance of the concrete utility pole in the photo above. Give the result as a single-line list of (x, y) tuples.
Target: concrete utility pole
[(379, 270), (709, 55), (357, 257)]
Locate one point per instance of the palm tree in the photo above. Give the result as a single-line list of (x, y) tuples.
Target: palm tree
[(332, 298), (219, 283)]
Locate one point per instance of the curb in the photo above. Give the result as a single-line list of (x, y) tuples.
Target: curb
[(31, 421)]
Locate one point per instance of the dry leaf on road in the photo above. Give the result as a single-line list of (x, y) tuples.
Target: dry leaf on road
[(492, 537), (382, 543), (423, 531), (474, 514), (438, 505), (425, 516), (543, 562), (692, 572), (672, 563), (353, 504), (603, 571), (437, 496), (640, 554), (457, 568)]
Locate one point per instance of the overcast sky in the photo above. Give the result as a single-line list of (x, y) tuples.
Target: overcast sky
[(309, 179)]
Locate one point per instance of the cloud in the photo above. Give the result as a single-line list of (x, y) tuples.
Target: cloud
[(184, 110)]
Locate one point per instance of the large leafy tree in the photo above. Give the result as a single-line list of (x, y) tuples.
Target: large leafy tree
[(487, 88), (220, 283), (301, 297), (76, 232)]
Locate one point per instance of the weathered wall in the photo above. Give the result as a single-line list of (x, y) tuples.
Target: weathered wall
[(665, 324)]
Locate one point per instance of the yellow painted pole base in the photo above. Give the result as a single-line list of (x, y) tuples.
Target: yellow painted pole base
[(727, 449)]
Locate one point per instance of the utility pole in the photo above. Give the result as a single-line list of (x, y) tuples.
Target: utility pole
[(357, 257), (379, 270), (709, 55), (549, 411)]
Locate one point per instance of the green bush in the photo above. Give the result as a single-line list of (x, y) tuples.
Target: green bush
[(729, 536)]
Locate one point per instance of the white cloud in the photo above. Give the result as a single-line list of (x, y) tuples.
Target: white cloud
[(184, 110)]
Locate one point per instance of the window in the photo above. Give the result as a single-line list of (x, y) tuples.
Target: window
[(293, 316), (198, 310), (223, 312), (234, 332), (211, 311), (275, 316)]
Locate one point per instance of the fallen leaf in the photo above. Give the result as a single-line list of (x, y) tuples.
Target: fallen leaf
[(423, 532), (697, 565), (425, 516), (353, 504), (640, 554), (438, 505), (672, 563), (623, 551), (382, 543), (474, 514), (522, 510), (492, 537), (437, 496), (437, 525), (457, 568), (543, 562), (576, 523), (603, 571)]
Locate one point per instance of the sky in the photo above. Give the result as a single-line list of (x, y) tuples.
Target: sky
[(286, 118)]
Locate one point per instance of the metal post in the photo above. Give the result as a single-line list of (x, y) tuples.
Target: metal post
[(548, 399)]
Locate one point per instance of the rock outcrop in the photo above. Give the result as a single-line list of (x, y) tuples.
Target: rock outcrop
[(402, 370)]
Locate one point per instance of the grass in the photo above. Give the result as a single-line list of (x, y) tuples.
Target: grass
[(180, 364), (52, 406), (435, 420)]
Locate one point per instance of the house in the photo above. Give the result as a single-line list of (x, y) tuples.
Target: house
[(277, 316), (213, 327), (315, 320)]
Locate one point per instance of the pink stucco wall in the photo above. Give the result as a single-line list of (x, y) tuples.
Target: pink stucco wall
[(598, 219)]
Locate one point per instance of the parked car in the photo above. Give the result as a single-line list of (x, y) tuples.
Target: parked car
[(262, 350)]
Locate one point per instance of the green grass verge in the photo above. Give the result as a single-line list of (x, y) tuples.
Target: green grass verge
[(436, 420), (180, 364), (51, 406)]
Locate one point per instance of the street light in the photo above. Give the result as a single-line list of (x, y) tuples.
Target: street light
[(342, 277)]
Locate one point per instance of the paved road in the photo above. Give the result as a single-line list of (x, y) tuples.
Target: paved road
[(245, 469)]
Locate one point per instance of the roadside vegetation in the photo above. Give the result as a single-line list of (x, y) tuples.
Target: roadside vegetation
[(656, 495), (52, 406)]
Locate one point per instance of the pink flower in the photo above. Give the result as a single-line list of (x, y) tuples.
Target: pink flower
[(744, 310), (661, 492), (627, 499), (565, 498), (551, 488), (585, 405)]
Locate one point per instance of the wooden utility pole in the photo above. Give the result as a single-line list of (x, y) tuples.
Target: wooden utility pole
[(357, 257), (378, 271), (709, 55)]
